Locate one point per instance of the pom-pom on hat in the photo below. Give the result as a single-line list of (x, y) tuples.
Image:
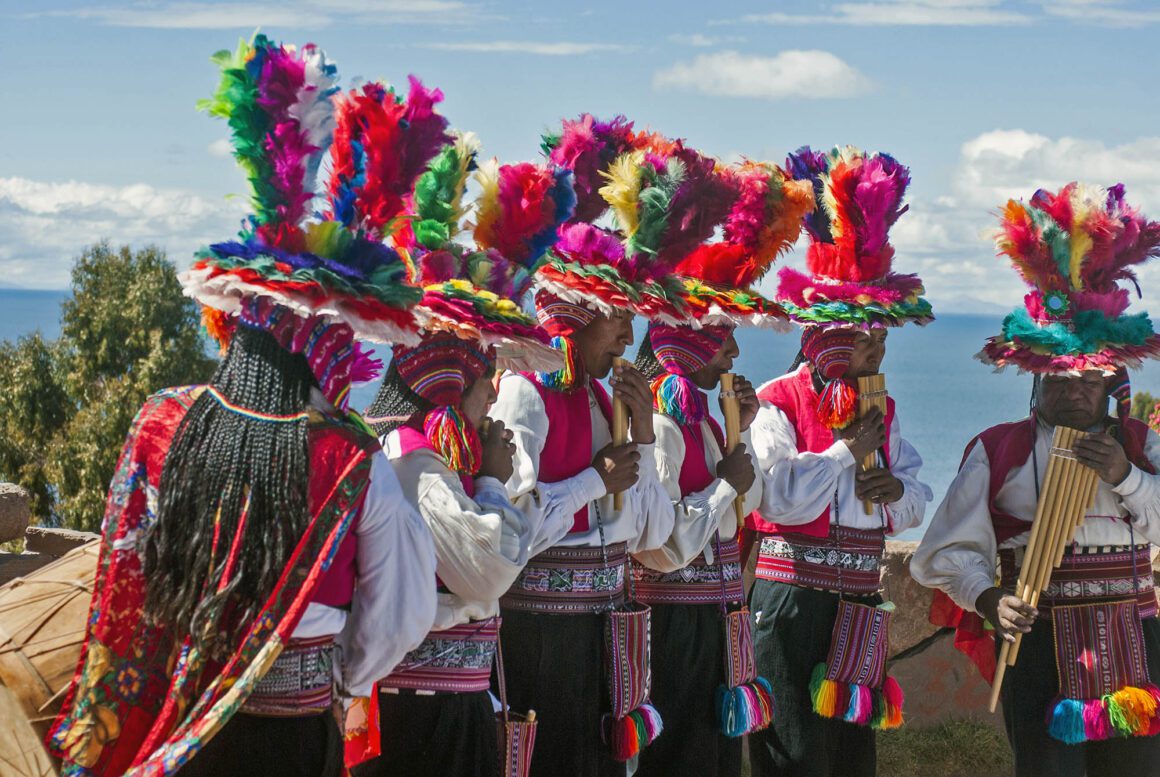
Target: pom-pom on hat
[(476, 293), (764, 220), (850, 281), (1073, 248), (281, 105)]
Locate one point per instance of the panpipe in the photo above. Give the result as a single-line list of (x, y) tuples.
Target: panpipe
[(619, 427), (731, 408), (871, 394), (1069, 489)]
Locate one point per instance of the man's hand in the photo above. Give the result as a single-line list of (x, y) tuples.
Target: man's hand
[(736, 469), (746, 399), (618, 466), (498, 450), (1007, 613), (1105, 455), (630, 387), (877, 486), (865, 435)]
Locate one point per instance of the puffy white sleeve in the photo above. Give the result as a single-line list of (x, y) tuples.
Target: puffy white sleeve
[(698, 515), (649, 505), (394, 598), (957, 554), (908, 511), (795, 487), (481, 544), (1140, 493), (548, 507)]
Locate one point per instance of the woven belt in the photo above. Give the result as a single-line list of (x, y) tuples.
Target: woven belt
[(1091, 575), (300, 683), (698, 583), (847, 563), (569, 580), (455, 660)]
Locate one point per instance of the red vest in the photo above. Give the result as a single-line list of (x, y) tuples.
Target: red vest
[(695, 474), (795, 396), (568, 448), (329, 447)]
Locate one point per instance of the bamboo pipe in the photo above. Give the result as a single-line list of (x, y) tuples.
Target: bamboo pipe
[(871, 394), (731, 408), (619, 428)]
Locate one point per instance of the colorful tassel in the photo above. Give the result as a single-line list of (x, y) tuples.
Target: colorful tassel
[(455, 438), (1130, 711), (746, 708), (679, 398), (571, 375), (836, 404), (877, 708), (634, 732)]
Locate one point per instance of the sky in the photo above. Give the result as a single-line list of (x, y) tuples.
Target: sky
[(982, 99)]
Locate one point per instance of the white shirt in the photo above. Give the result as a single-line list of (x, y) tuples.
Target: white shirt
[(481, 544), (700, 514), (958, 552), (646, 519), (394, 597), (798, 487)]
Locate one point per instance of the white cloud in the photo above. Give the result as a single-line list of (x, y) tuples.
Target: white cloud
[(793, 73), (701, 41), (929, 13), (220, 147), (558, 49), (306, 14), (47, 224), (1107, 13)]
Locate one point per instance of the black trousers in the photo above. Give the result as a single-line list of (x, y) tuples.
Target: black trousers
[(791, 634), (271, 747), (688, 659), (447, 734), (1033, 684), (554, 665)]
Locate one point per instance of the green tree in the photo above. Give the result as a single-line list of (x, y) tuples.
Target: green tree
[(127, 331), (1143, 404)]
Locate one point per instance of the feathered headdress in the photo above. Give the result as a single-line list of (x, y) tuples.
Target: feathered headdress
[(850, 282), (471, 309), (666, 201), (587, 146), (1073, 247), (477, 293), (334, 270), (764, 220)]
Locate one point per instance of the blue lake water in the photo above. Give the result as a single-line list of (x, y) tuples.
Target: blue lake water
[(943, 395)]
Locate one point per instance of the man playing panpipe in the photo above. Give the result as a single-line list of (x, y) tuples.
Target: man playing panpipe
[(704, 681), (1090, 650), (819, 632), (590, 698)]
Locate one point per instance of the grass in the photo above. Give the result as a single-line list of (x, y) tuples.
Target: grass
[(961, 748)]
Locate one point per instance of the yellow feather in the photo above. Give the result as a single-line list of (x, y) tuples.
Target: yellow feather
[(1083, 201), (622, 192), (487, 208), (466, 147)]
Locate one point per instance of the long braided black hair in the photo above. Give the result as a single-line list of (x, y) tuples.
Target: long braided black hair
[(646, 361), (219, 462), (395, 404)]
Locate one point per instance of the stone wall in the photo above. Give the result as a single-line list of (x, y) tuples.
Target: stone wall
[(41, 544)]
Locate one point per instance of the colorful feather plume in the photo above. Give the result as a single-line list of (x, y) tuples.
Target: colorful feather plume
[(437, 202), (587, 146), (278, 104), (382, 143), (520, 208), (1073, 247), (858, 198)]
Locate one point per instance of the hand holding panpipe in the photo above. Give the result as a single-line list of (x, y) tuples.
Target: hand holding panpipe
[(731, 408), (1069, 489), (871, 394), (619, 427)]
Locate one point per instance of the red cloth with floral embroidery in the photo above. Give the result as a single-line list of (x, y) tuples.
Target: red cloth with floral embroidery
[(142, 702)]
